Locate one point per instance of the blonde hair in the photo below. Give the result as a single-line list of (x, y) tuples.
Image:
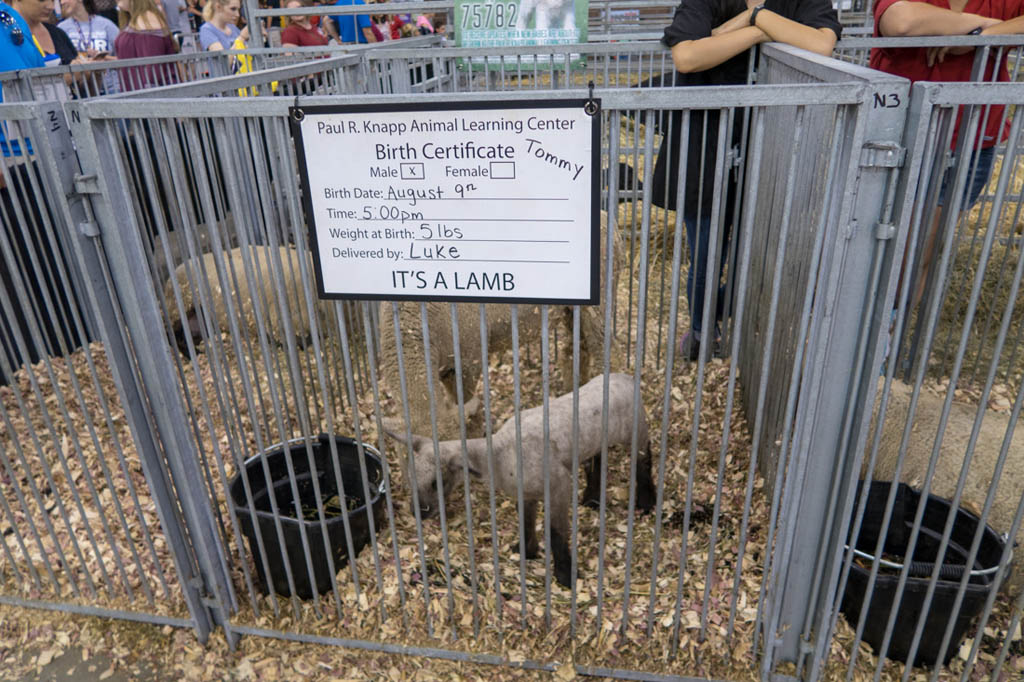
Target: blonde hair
[(139, 8), (208, 8)]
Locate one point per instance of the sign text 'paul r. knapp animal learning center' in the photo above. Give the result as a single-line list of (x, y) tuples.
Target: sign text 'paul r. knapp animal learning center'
[(461, 202)]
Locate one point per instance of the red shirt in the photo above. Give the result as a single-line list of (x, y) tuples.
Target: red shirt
[(911, 62), (296, 35)]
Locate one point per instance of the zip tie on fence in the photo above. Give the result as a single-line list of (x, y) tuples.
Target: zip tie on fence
[(296, 113), (917, 568), (590, 107)]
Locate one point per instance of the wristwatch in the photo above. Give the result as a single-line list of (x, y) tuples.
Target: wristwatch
[(753, 14), (975, 32)]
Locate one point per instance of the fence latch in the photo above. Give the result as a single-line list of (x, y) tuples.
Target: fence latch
[(882, 155), (86, 184), (885, 231)]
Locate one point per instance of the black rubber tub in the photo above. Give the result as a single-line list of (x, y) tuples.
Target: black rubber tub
[(355, 506), (940, 611)]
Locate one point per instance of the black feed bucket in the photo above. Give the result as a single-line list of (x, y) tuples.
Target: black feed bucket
[(354, 506), (940, 611)]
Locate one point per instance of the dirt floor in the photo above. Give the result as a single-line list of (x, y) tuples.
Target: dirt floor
[(43, 645)]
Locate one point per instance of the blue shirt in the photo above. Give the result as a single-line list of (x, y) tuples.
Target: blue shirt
[(210, 34), (350, 26), (12, 58)]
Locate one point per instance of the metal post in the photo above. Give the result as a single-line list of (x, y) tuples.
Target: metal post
[(122, 243), (830, 424)]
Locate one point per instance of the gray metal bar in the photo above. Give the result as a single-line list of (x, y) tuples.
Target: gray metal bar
[(410, 470), (438, 467), (488, 433), (460, 400), (837, 350), (85, 610), (650, 98), (154, 358)]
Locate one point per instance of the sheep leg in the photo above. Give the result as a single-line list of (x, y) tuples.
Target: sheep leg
[(592, 493), (559, 549), (646, 493), (530, 528)]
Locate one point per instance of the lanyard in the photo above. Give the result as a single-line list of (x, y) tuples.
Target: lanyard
[(85, 44)]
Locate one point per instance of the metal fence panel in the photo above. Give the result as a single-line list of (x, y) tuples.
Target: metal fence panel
[(89, 521), (254, 360), (946, 422)]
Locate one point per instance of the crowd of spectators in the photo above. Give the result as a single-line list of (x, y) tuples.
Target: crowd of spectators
[(85, 31)]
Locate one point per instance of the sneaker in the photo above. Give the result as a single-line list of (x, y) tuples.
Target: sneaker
[(689, 346)]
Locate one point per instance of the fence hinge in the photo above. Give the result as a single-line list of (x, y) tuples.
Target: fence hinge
[(86, 184), (885, 231), (733, 158), (882, 155)]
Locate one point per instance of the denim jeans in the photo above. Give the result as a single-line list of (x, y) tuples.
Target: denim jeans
[(698, 234), (977, 178)]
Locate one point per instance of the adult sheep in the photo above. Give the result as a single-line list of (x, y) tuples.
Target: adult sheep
[(441, 364), (955, 440), (274, 289)]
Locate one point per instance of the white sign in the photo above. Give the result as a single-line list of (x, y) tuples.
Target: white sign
[(456, 202)]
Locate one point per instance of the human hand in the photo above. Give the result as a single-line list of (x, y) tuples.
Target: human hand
[(938, 54)]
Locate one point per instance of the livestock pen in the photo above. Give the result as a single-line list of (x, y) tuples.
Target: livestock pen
[(225, 351)]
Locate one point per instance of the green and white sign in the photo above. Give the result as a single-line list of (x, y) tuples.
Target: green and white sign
[(501, 23)]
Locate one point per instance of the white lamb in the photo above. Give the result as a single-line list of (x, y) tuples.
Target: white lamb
[(621, 409)]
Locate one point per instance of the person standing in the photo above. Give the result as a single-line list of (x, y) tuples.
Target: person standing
[(220, 29), (55, 44), (950, 64), (145, 35), (17, 51), (90, 33), (176, 13), (710, 40), (350, 28), (300, 31)]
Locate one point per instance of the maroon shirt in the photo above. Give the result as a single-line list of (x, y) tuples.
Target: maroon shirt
[(131, 44), (912, 62), (303, 37)]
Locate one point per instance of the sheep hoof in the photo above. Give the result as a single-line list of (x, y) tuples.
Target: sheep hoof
[(644, 504), (563, 576), (531, 552), (592, 502)]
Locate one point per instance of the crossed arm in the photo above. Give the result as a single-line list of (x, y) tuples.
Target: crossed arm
[(905, 18), (737, 35)]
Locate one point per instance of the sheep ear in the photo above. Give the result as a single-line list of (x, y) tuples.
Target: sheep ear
[(395, 427)]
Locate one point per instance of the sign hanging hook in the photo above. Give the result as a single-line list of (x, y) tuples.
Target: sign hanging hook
[(590, 106), (297, 113)]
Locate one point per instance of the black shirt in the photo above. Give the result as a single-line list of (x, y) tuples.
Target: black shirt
[(694, 20), (62, 45)]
